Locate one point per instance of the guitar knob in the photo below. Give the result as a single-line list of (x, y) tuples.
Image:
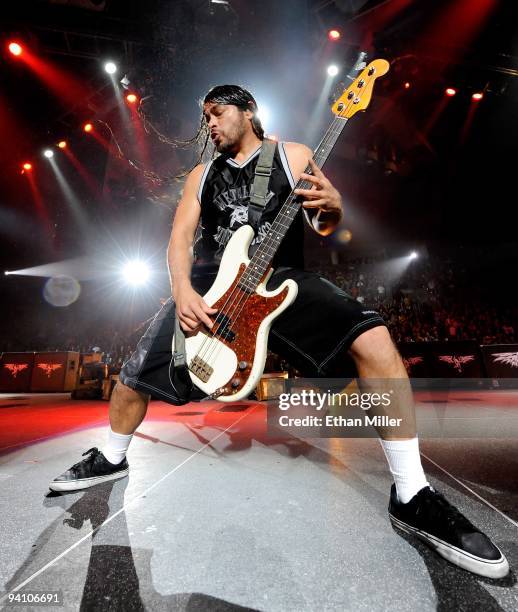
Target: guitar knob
[(235, 382), (243, 365)]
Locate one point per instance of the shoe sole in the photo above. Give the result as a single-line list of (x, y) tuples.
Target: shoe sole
[(85, 483), (489, 568)]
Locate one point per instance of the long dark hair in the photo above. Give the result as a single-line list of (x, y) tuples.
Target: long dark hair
[(240, 97), (221, 94)]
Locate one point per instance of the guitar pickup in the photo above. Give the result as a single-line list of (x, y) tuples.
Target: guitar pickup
[(223, 329), (201, 369)]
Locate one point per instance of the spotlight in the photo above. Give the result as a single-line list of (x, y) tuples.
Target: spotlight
[(48, 153), (406, 85), (136, 272), (6, 273), (334, 35), (88, 127), (15, 48), (131, 98), (477, 96), (332, 70), (263, 114), (344, 236), (110, 67), (450, 92), (62, 144), (27, 166), (413, 255)]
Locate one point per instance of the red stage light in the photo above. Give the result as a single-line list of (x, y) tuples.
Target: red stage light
[(477, 96), (88, 127), (27, 166), (407, 85), (62, 144), (15, 48), (450, 91), (334, 35), (131, 98)]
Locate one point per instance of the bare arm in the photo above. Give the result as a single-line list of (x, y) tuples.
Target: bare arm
[(191, 309), (322, 201)]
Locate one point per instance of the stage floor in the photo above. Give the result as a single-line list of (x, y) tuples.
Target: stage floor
[(217, 515)]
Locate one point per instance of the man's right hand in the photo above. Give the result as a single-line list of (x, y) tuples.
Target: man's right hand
[(192, 309)]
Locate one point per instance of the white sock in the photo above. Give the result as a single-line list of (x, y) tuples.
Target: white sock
[(405, 466), (116, 447)]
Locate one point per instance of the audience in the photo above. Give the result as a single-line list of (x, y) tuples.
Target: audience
[(426, 299)]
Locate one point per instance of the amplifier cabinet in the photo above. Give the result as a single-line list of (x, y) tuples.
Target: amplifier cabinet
[(55, 371), (16, 372)]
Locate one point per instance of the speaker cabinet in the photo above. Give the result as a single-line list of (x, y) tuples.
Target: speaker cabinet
[(55, 371), (16, 372)]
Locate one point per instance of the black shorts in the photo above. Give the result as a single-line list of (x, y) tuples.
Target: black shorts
[(313, 334)]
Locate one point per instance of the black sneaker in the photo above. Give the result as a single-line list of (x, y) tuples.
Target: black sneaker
[(89, 472), (430, 517)]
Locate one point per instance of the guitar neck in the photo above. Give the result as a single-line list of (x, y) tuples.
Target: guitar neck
[(262, 259)]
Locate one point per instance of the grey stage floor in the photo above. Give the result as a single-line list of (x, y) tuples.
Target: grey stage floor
[(218, 516)]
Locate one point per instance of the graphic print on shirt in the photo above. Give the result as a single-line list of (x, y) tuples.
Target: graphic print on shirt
[(234, 202)]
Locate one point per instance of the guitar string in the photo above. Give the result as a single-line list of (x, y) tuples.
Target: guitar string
[(269, 242)]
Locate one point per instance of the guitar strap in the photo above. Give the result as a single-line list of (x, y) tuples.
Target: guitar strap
[(179, 345), (259, 193), (179, 373)]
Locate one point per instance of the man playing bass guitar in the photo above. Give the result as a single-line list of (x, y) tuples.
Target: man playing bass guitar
[(324, 333)]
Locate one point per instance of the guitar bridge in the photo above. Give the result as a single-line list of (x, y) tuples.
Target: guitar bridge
[(202, 369)]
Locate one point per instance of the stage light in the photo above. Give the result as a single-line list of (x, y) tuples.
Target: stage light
[(131, 98), (413, 255), (136, 272), (406, 85), (15, 48), (62, 144), (263, 114), (27, 166), (88, 127), (48, 153), (344, 236), (332, 70), (334, 35), (450, 91), (477, 96), (110, 67), (6, 273)]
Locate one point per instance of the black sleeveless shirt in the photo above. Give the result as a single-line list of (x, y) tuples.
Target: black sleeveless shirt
[(224, 194)]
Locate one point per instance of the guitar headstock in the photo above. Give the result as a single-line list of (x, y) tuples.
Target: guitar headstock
[(358, 95)]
